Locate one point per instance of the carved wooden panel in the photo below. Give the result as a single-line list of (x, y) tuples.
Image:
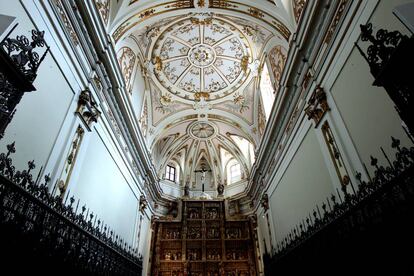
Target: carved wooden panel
[(203, 243)]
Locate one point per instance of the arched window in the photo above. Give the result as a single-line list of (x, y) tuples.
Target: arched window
[(245, 147), (170, 173), (266, 90), (235, 173)]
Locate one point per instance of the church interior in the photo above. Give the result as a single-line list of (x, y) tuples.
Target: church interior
[(206, 137)]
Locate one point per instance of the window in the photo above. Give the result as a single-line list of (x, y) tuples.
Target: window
[(245, 147), (235, 173), (170, 173), (266, 89)]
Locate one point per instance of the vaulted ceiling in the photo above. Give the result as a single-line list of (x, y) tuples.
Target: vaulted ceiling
[(201, 61)]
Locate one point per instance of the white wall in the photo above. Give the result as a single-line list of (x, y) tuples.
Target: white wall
[(363, 119), (234, 189), (405, 14), (367, 111), (170, 188), (101, 185), (305, 183), (263, 233), (145, 244), (138, 92), (45, 123), (6, 24), (40, 114)]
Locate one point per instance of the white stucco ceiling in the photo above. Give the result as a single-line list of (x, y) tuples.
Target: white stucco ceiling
[(201, 63), (202, 57)]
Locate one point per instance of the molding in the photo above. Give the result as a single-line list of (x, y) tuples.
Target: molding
[(312, 50), (294, 74), (311, 39), (113, 97)]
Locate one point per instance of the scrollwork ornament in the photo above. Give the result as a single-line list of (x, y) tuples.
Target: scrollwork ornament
[(383, 44), (21, 52)]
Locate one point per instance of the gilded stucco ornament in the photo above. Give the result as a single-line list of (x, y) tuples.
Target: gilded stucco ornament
[(201, 75), (200, 56), (317, 106), (254, 67), (143, 203), (202, 105), (265, 202), (87, 108)]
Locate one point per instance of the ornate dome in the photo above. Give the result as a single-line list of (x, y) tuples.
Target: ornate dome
[(198, 100), (201, 57)]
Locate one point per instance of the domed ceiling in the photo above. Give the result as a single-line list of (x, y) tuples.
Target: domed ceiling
[(201, 62), (202, 58)]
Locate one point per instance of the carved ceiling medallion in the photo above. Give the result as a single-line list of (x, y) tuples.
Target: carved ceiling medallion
[(202, 130), (202, 55)]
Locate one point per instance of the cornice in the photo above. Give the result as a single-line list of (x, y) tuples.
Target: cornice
[(305, 47), (95, 39), (302, 62), (146, 13)]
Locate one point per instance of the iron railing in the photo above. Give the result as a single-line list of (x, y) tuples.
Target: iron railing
[(52, 234), (390, 56), (364, 231), (19, 63)]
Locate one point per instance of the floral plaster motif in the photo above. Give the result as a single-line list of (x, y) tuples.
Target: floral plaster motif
[(201, 56), (277, 58), (126, 59), (66, 22), (298, 6), (103, 8), (261, 119), (143, 120), (145, 36), (257, 33)]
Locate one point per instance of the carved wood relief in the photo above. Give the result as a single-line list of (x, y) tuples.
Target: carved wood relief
[(204, 243)]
